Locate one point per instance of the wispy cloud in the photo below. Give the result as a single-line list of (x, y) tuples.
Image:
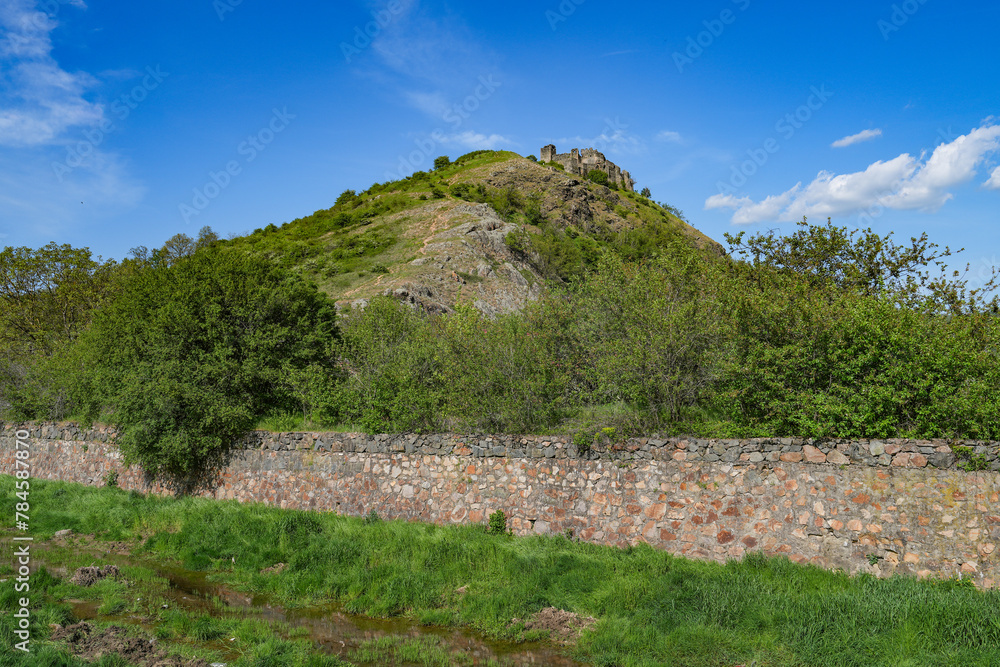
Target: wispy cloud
[(614, 138), (476, 140), (902, 183), (619, 53), (39, 100), (31, 199), (865, 135), (669, 136), (431, 58)]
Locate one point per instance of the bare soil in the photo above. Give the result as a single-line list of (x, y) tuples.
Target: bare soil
[(90, 644), (564, 626), (88, 576)]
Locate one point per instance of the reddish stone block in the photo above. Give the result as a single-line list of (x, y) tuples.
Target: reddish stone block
[(861, 498), (633, 509), (657, 511), (837, 458), (667, 536), (725, 537), (918, 460), (792, 485), (791, 457), (750, 542), (813, 455)]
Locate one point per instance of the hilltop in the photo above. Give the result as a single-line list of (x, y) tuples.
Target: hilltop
[(487, 229)]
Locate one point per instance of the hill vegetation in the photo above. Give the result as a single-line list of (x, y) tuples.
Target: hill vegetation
[(496, 294)]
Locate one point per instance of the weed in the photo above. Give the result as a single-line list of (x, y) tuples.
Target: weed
[(498, 523)]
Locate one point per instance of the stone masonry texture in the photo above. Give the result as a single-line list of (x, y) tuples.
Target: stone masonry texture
[(907, 504)]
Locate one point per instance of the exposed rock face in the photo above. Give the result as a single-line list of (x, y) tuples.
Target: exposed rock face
[(459, 249), (582, 162)]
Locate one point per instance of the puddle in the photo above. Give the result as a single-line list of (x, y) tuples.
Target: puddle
[(329, 627)]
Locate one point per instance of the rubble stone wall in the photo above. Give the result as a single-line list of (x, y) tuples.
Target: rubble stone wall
[(909, 506)]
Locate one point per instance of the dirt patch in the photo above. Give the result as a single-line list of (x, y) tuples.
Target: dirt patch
[(88, 576), (563, 626), (65, 538), (91, 644), (278, 568)]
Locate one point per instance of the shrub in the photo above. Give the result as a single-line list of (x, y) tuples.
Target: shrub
[(188, 357), (598, 176), (498, 523), (441, 162)]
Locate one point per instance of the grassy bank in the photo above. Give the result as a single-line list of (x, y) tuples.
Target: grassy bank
[(652, 608)]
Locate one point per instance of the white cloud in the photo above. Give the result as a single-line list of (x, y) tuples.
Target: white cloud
[(614, 138), (994, 182), (866, 135), (476, 140), (669, 136), (39, 100), (902, 183)]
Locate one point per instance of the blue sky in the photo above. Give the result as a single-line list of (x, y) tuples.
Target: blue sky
[(122, 124)]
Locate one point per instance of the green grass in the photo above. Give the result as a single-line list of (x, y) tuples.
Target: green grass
[(652, 608)]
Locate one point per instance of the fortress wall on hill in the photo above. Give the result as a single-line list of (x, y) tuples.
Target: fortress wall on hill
[(835, 504)]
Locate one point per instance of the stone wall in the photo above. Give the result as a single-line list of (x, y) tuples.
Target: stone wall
[(580, 163), (838, 504)]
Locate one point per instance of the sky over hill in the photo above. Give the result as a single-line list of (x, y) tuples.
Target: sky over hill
[(124, 123)]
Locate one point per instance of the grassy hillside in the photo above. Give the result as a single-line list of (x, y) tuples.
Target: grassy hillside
[(431, 236)]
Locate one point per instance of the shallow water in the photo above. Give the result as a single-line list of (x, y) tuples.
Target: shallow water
[(329, 626)]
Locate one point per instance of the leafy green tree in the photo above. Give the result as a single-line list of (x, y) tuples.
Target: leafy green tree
[(646, 193), (441, 162), (863, 261), (598, 176), (48, 295), (653, 333), (187, 357), (510, 373), (389, 357)]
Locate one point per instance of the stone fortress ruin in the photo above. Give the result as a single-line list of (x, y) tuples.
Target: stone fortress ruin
[(582, 162)]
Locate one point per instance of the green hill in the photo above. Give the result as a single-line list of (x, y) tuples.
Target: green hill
[(487, 230)]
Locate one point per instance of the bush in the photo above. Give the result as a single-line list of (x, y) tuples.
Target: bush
[(441, 162), (189, 357), (598, 176)]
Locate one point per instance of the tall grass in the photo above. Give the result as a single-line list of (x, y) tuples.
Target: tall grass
[(653, 608)]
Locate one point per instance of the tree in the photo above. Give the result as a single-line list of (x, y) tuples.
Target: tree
[(646, 193), (862, 261), (187, 357), (178, 246), (47, 295), (441, 162)]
